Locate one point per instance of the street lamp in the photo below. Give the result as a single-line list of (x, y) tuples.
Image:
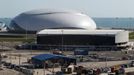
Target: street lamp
[(19, 59), (62, 39)]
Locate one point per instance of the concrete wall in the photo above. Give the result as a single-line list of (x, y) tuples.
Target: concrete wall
[(122, 36)]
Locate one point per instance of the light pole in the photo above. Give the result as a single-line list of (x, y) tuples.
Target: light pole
[(131, 24), (106, 61), (19, 58), (62, 40), (117, 22), (26, 33)]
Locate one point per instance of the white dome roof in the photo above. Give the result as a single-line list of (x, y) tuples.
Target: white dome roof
[(37, 20)]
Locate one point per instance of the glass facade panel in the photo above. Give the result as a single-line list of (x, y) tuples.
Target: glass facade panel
[(76, 40)]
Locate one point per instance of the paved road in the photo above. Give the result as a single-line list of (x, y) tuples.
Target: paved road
[(6, 71), (102, 64)]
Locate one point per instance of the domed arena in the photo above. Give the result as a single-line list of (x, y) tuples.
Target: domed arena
[(37, 20)]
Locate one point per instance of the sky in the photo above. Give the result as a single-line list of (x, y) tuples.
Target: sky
[(93, 8)]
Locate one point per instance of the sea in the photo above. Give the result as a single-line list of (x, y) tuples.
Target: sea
[(127, 23)]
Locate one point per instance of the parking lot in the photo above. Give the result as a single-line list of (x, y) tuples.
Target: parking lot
[(93, 60)]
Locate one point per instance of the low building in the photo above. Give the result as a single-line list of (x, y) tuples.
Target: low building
[(43, 59), (88, 39)]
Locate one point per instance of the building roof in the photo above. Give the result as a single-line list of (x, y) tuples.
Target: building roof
[(78, 31), (49, 11), (37, 20), (44, 57)]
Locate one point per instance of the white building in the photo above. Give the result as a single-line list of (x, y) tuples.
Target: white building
[(70, 38)]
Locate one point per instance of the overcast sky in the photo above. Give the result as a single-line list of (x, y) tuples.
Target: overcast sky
[(94, 8)]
